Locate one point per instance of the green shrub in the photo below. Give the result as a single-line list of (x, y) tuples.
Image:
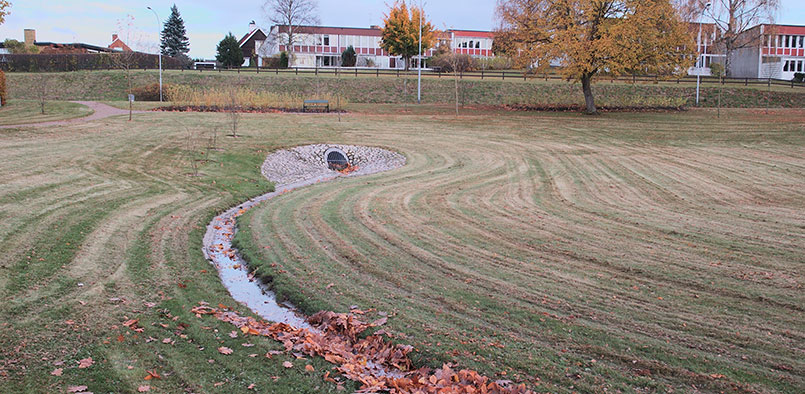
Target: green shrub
[(2, 88), (348, 57), (716, 69), (799, 77)]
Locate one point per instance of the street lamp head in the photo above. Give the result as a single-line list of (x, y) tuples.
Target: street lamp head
[(152, 10)]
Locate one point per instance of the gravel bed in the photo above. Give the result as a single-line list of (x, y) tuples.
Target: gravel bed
[(304, 162)]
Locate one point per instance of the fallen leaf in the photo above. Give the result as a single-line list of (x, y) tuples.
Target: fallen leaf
[(152, 375), (57, 372), (251, 386), (76, 389), (233, 334), (309, 368), (86, 362), (144, 388), (224, 350), (287, 364)]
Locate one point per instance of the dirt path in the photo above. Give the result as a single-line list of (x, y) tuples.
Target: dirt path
[(100, 111)]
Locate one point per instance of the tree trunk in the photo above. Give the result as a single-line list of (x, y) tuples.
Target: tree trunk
[(586, 86)]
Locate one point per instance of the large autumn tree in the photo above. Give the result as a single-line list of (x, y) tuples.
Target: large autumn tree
[(592, 36), (400, 34)]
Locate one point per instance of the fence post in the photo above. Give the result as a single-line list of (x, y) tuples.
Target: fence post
[(503, 74), (278, 70), (634, 79), (546, 76), (398, 73), (769, 82), (377, 72), (746, 82), (356, 72), (482, 73)]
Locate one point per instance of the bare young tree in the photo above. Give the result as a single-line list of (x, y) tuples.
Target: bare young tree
[(291, 15), (42, 90), (126, 60), (233, 110), (733, 18)]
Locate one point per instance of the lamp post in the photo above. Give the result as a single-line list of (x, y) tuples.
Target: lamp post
[(159, 24), (419, 69), (700, 60)]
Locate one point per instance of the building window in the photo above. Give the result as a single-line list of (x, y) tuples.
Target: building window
[(477, 44), (326, 40), (800, 40), (799, 66), (785, 66)]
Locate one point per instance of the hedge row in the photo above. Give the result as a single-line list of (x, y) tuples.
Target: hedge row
[(2, 88), (84, 61)]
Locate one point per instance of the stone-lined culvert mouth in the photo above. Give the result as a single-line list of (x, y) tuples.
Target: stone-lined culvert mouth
[(289, 169)]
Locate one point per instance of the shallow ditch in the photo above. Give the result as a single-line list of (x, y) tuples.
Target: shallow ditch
[(289, 169)]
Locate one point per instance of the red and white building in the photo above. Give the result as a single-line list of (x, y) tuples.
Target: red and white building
[(321, 46), (765, 51)]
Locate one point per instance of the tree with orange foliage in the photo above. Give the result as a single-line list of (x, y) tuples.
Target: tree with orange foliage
[(4, 6), (593, 36), (400, 34)]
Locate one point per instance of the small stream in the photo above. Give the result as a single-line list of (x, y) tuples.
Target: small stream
[(232, 268)]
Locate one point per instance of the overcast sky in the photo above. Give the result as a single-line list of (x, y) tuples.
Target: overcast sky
[(207, 21)]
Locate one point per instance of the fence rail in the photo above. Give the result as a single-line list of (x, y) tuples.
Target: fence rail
[(504, 75), (482, 74)]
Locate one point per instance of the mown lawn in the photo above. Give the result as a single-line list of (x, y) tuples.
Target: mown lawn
[(625, 251), (29, 111), (111, 86), (631, 252)]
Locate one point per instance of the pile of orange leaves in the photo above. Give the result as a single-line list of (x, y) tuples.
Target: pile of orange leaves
[(378, 365), (348, 169)]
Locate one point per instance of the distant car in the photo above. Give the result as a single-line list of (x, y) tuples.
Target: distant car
[(204, 65)]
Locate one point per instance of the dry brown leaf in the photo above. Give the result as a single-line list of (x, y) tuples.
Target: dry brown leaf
[(86, 362), (287, 364), (224, 350), (144, 388), (57, 372), (309, 368), (76, 389)]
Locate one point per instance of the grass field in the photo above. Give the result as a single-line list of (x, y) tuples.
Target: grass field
[(633, 252), (111, 85), (28, 111)]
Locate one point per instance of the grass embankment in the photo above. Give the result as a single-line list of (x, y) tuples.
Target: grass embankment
[(537, 241), (27, 111), (630, 252), (111, 85)]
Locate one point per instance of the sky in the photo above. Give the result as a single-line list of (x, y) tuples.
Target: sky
[(208, 21)]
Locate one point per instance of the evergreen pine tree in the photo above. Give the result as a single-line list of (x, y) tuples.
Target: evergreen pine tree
[(174, 39), (229, 52)]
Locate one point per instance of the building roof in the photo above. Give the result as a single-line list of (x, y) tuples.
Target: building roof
[(249, 35), (472, 33), (78, 45), (354, 31), (117, 43)]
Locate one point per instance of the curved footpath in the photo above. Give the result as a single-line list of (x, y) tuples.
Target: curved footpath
[(100, 111)]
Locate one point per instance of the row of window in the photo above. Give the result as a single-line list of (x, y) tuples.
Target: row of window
[(784, 41), (793, 66), (477, 44)]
